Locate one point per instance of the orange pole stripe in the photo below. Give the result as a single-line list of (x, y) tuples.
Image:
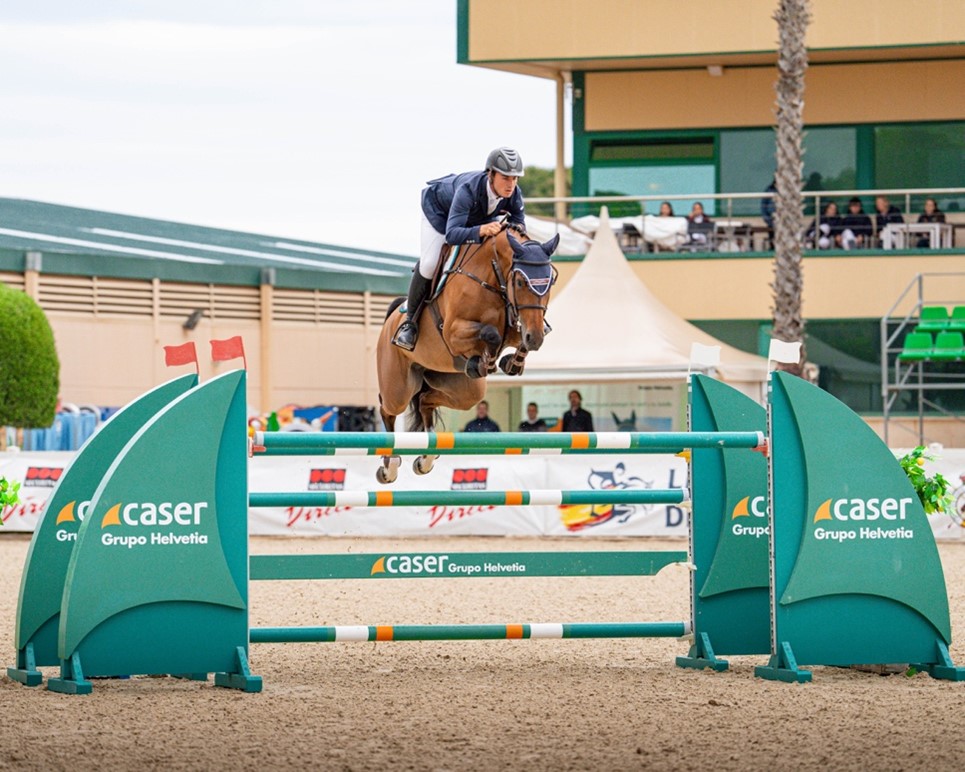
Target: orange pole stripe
[(514, 631), (383, 451), (580, 441), (383, 632), (383, 498), (514, 498), (513, 451), (445, 440)]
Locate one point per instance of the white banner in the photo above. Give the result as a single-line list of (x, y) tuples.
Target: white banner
[(38, 474), (571, 472)]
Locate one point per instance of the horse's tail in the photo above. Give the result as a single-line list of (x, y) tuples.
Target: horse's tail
[(414, 422)]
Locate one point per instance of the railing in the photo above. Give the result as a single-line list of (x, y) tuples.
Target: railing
[(951, 202), (897, 321)]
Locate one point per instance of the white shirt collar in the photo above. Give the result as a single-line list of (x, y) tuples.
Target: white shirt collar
[(493, 197)]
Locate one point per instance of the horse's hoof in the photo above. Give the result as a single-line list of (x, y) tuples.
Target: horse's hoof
[(476, 368), (385, 474), (511, 365), (422, 464)]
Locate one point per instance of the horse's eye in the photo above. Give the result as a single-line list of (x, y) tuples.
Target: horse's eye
[(520, 283)]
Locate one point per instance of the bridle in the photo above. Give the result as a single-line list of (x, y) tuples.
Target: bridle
[(505, 286)]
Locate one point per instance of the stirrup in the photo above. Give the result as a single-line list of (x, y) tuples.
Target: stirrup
[(406, 336)]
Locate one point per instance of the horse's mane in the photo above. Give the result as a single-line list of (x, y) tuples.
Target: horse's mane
[(519, 229)]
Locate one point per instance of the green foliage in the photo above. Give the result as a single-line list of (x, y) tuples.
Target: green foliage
[(29, 368), (539, 183), (932, 491), (9, 494)]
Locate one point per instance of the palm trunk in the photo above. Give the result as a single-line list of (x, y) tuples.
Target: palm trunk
[(792, 18)]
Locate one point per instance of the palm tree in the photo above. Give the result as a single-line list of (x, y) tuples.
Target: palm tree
[(792, 18)]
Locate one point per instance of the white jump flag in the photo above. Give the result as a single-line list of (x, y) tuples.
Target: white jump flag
[(702, 356), (780, 351)]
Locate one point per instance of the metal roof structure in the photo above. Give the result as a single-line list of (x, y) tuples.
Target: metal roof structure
[(52, 230)]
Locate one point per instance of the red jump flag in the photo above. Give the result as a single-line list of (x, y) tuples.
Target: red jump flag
[(185, 354), (230, 348)]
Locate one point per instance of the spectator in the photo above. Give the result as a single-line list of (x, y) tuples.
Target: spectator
[(482, 422), (576, 419), (532, 422), (665, 209), (824, 230), (768, 206), (931, 214), (855, 226), (699, 226), (887, 213)]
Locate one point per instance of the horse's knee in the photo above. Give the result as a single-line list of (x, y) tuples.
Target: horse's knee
[(490, 335)]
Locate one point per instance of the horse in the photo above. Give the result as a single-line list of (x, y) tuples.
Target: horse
[(494, 296)]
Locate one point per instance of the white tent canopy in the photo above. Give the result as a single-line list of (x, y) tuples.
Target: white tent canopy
[(608, 327)]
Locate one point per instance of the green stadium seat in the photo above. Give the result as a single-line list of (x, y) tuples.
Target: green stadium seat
[(918, 346), (933, 319), (949, 346), (956, 321)]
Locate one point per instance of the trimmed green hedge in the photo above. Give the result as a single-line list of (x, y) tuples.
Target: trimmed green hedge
[(29, 367)]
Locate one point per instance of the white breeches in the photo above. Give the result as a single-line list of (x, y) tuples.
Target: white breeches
[(432, 242)]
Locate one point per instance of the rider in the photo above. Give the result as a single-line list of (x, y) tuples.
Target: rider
[(460, 209)]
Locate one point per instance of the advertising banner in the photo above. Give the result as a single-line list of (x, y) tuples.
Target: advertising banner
[(38, 474)]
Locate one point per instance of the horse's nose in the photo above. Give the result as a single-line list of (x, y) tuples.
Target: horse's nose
[(533, 339)]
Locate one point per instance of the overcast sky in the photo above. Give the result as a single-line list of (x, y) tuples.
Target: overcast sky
[(317, 119)]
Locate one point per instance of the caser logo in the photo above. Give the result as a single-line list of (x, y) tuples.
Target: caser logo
[(846, 510), (748, 506), (326, 480), (469, 479), (42, 476), (166, 513), (409, 564)]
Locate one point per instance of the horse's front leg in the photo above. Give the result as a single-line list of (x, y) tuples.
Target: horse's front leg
[(513, 363), (478, 342)]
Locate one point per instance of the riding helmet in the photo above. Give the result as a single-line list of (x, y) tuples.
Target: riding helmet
[(506, 161)]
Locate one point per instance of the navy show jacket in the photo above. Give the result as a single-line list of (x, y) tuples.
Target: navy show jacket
[(457, 205)]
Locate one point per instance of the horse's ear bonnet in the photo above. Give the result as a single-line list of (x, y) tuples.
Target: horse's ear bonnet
[(532, 261)]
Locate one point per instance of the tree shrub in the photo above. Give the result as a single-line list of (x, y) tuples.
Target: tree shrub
[(29, 367)]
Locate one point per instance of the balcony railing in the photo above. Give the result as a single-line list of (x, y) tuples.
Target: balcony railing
[(748, 207)]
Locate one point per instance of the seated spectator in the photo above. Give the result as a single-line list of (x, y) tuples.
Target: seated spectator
[(887, 213), (855, 226), (825, 229), (532, 422), (576, 419), (699, 226), (665, 209), (482, 422), (931, 214)]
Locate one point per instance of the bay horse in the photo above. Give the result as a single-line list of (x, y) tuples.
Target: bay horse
[(493, 296)]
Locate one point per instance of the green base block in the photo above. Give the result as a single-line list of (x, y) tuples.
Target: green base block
[(26, 670), (71, 679), (783, 667), (702, 656), (944, 669), (69, 686), (243, 680), (26, 677)]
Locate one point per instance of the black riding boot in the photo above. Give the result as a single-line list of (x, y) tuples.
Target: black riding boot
[(408, 333)]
